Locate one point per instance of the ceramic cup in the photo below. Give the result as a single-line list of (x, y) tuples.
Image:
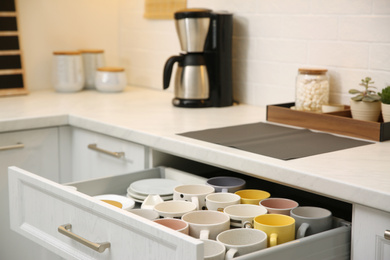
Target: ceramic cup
[(146, 213), (279, 205), (195, 193), (213, 250), (219, 201), (92, 59), (110, 79), (242, 241), (279, 228), (174, 208), (68, 72), (226, 183), (252, 196), (242, 215), (175, 224), (206, 224), (311, 220)]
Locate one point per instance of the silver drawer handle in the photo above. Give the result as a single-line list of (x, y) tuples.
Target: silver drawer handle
[(10, 147), (99, 247), (115, 154), (387, 234)]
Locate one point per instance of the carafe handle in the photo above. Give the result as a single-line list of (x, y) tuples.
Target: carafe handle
[(168, 69)]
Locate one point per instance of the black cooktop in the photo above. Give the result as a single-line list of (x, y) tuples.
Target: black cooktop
[(275, 141)]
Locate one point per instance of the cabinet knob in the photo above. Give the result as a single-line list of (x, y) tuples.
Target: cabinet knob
[(387, 234)]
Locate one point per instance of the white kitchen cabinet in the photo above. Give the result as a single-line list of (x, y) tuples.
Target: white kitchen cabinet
[(33, 150), (86, 154), (371, 234), (48, 206)]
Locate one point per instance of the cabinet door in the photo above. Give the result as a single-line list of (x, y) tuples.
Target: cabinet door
[(88, 155), (35, 150), (368, 232)]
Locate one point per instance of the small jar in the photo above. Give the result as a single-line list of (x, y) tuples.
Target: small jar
[(68, 72), (312, 89), (110, 79), (92, 59)]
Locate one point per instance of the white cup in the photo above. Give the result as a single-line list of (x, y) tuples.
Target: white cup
[(242, 215), (68, 72), (92, 59), (174, 208), (206, 224), (311, 220), (110, 79), (242, 241), (219, 201), (195, 193), (213, 250)]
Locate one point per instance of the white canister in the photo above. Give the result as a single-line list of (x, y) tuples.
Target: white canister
[(68, 72), (110, 79), (92, 59)]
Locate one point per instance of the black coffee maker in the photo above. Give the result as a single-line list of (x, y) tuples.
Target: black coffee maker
[(204, 72)]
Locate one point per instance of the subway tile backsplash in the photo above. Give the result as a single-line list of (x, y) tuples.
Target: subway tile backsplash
[(271, 40)]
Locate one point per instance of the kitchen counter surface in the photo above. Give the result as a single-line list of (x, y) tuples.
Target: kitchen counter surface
[(358, 175)]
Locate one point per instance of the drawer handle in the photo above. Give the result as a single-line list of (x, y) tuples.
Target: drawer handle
[(387, 234), (115, 154), (99, 247), (10, 147)]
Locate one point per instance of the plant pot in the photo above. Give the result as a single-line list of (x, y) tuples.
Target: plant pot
[(368, 111), (386, 112)]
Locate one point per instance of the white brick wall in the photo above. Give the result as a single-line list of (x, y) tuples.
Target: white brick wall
[(272, 39)]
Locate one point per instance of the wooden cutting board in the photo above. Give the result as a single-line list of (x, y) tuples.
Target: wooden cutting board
[(163, 9)]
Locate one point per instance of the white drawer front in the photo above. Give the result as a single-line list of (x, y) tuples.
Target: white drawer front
[(93, 155), (40, 206)]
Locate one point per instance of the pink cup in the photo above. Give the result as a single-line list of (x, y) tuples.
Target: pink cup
[(279, 205), (175, 224)]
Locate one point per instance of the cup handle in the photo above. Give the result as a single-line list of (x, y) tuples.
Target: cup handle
[(195, 200), (225, 190), (302, 230), (247, 224), (273, 240), (230, 253), (204, 234)]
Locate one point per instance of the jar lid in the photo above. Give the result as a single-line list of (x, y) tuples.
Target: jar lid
[(312, 71), (192, 13), (66, 53), (111, 69), (91, 51)]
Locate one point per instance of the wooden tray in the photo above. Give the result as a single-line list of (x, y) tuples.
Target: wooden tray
[(336, 122)]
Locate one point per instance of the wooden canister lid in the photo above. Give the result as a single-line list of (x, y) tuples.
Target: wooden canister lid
[(111, 69), (91, 51), (312, 71), (66, 53)]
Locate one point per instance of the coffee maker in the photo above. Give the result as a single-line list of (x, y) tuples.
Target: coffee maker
[(204, 72)]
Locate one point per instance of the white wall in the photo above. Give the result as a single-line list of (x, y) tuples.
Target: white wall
[(60, 25), (272, 39)]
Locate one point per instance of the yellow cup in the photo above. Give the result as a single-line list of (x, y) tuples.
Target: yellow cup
[(279, 228), (252, 196)]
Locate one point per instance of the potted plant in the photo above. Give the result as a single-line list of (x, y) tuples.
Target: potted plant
[(365, 105), (385, 98)]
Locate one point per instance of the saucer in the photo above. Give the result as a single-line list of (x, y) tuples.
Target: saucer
[(157, 186)]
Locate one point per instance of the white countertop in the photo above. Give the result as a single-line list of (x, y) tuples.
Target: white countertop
[(358, 175)]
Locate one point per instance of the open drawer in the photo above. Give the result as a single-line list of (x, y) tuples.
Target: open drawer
[(38, 207)]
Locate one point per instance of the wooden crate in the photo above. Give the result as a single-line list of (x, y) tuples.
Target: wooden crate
[(336, 122)]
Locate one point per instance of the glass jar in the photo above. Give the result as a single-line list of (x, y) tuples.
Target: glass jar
[(312, 89)]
